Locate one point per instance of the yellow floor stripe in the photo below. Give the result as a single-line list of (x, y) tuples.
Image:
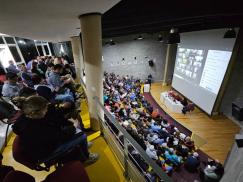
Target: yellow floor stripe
[(106, 168), (85, 113), (93, 136)]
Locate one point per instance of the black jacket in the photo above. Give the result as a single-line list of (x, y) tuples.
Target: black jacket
[(40, 137)]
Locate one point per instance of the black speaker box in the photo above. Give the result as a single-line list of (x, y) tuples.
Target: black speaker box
[(239, 140), (237, 110), (173, 38), (151, 63)]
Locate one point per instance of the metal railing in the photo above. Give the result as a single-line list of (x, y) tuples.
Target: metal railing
[(128, 140)]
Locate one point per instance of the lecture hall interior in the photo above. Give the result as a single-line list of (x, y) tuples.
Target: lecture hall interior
[(121, 90)]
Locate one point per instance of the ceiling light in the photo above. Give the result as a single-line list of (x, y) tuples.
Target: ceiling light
[(173, 37), (230, 33), (22, 42), (112, 42), (140, 37)]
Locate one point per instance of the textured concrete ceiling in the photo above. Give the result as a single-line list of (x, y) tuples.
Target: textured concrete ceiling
[(49, 20)]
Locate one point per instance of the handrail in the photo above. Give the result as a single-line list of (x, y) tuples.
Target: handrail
[(82, 83), (162, 175)]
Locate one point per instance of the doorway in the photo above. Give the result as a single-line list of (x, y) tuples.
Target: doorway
[(5, 56)]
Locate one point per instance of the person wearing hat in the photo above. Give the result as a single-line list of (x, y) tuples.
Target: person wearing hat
[(192, 163)]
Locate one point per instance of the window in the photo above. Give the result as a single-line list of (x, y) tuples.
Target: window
[(46, 49), (10, 40), (1, 40), (15, 54), (39, 47)]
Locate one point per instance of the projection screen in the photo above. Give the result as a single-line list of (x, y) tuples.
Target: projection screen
[(201, 63)]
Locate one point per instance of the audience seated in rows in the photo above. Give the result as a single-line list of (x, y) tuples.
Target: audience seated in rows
[(162, 141), (45, 125)]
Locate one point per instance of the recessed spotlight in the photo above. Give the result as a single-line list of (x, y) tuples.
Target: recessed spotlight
[(174, 36), (140, 37)]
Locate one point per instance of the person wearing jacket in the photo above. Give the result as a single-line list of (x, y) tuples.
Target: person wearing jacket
[(43, 129)]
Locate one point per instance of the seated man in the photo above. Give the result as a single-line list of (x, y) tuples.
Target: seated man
[(172, 157), (154, 127), (49, 70), (12, 68), (26, 76), (192, 163), (49, 93), (11, 88), (151, 152), (189, 143), (56, 80), (165, 123), (44, 130), (213, 171), (153, 138)]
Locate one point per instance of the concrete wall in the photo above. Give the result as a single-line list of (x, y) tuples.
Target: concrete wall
[(120, 58), (234, 165), (234, 89)]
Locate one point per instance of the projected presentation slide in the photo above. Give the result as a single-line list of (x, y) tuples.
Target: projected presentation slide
[(214, 70), (198, 75), (189, 64)]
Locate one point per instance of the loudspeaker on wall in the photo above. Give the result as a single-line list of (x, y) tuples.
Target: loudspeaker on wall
[(151, 63), (239, 140)]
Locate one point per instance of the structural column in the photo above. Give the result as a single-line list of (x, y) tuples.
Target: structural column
[(78, 57), (169, 63), (92, 50)]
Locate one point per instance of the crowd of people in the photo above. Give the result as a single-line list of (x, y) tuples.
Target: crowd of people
[(47, 97), (169, 147)]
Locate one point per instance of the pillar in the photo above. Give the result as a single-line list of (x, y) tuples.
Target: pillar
[(92, 50), (78, 57), (169, 63)]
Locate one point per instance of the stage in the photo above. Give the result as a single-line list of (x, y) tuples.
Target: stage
[(217, 132)]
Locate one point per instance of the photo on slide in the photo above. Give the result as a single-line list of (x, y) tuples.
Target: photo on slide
[(189, 64)]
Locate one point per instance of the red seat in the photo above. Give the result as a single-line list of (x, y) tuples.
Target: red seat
[(71, 172), (69, 154), (18, 176), (20, 156)]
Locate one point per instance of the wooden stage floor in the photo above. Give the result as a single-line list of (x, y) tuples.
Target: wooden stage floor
[(218, 132)]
